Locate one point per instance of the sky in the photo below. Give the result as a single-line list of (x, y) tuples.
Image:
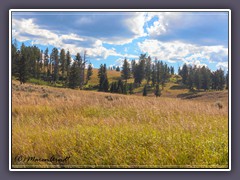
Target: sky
[(195, 38)]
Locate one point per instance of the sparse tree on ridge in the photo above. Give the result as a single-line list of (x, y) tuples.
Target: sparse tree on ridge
[(126, 72), (89, 72)]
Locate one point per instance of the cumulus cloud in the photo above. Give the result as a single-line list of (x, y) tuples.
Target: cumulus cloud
[(223, 65), (26, 29), (179, 51), (202, 28)]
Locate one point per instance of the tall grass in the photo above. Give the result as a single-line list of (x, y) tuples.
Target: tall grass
[(127, 132)]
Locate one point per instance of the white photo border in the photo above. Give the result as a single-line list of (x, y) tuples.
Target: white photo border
[(120, 10)]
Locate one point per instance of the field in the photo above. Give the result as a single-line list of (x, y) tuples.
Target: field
[(177, 130)]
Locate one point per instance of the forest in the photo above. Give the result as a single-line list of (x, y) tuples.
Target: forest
[(58, 68)]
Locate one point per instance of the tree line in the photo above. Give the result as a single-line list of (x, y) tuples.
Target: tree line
[(31, 62), (57, 66), (203, 78), (154, 73)]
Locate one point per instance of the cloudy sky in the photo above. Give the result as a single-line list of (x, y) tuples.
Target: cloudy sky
[(199, 38)]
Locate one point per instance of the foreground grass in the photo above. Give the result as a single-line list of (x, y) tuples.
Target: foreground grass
[(127, 132)]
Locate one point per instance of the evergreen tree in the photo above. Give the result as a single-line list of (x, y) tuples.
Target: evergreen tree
[(139, 72), (68, 62), (55, 60), (126, 72), (74, 76), (79, 62), (15, 58), (120, 87), (118, 68), (172, 70), (190, 78), (227, 76), (145, 91), (63, 62), (198, 78), (133, 65), (89, 72), (148, 69), (221, 79), (46, 61), (154, 74), (206, 78), (184, 74), (23, 70), (103, 80), (158, 91)]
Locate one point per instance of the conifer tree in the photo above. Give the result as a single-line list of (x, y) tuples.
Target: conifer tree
[(23, 73), (206, 78), (68, 62), (89, 72), (55, 60), (157, 91), (148, 69), (145, 91), (103, 79), (184, 73), (154, 75), (74, 76), (46, 62), (227, 76), (63, 62), (126, 72)]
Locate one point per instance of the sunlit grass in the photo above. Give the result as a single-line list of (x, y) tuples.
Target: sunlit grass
[(127, 132)]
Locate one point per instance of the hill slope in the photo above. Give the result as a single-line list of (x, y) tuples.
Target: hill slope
[(122, 131)]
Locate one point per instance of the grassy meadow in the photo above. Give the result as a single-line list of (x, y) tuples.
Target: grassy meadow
[(176, 130)]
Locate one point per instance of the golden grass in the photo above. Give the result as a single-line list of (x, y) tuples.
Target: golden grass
[(127, 132)]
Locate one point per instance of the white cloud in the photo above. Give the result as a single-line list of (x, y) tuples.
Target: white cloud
[(179, 51), (223, 65)]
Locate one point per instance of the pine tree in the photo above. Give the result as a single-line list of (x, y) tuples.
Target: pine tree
[(133, 65), (157, 91), (23, 70), (206, 78), (190, 78), (46, 61), (172, 70), (154, 75), (89, 72), (68, 62), (103, 79), (74, 76), (63, 62), (79, 63), (184, 74), (126, 72), (139, 72), (15, 58), (118, 68), (145, 91), (55, 60), (148, 69)]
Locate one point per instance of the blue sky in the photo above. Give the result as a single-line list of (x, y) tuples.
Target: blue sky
[(197, 38)]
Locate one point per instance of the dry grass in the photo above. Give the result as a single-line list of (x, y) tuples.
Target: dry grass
[(128, 131)]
